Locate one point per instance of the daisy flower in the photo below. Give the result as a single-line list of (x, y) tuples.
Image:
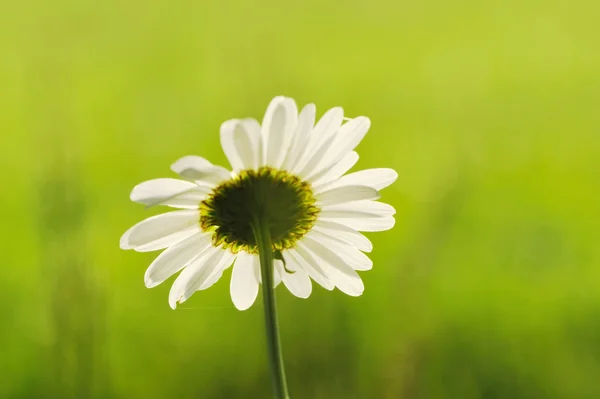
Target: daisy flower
[(288, 190)]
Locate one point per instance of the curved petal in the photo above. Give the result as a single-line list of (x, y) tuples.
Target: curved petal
[(377, 178), (350, 135), (362, 223), (202, 279), (255, 142), (178, 287), (200, 170), (187, 165), (302, 257), (176, 258), (316, 158), (172, 192), (298, 283), (343, 194), (351, 256), (358, 211), (306, 121), (160, 231), (345, 234), (337, 270), (373, 208), (278, 127), (244, 280), (347, 138), (329, 175), (198, 272), (212, 279), (241, 143), (330, 122), (325, 129)]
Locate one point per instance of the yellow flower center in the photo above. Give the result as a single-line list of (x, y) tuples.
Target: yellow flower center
[(281, 199)]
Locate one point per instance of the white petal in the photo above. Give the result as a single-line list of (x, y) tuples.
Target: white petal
[(302, 256), (349, 136), (306, 121), (316, 158), (176, 258), (196, 168), (178, 287), (161, 231), (172, 192), (344, 233), (330, 122), (339, 195), (377, 178), (325, 129), (189, 164), (346, 139), (298, 282), (241, 143), (244, 280), (328, 175), (358, 210), (148, 191), (351, 256), (354, 258), (255, 141), (363, 223), (338, 271), (204, 278), (278, 129), (372, 208), (212, 279), (197, 273)]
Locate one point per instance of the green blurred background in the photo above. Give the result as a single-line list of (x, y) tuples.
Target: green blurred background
[(488, 286)]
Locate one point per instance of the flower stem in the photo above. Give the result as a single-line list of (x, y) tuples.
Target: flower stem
[(262, 235)]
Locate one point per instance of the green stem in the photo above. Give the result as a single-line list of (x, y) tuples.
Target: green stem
[(262, 235)]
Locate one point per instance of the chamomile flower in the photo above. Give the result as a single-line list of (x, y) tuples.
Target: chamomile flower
[(291, 173)]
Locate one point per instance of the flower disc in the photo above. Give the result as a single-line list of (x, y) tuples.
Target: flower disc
[(276, 196)]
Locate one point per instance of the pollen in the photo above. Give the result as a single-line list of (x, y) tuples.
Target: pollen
[(281, 199)]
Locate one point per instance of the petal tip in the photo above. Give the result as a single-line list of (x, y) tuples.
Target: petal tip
[(310, 106), (134, 193), (228, 126), (149, 282), (173, 303), (241, 307), (187, 162), (124, 240), (278, 99), (393, 177)]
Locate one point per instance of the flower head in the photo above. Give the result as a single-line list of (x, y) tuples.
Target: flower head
[(288, 171)]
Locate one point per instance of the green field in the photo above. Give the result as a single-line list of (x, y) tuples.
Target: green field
[(487, 288)]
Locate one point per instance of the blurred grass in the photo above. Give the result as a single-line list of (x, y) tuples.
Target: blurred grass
[(486, 288)]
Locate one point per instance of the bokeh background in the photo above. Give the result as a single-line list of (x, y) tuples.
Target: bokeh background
[(488, 287)]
